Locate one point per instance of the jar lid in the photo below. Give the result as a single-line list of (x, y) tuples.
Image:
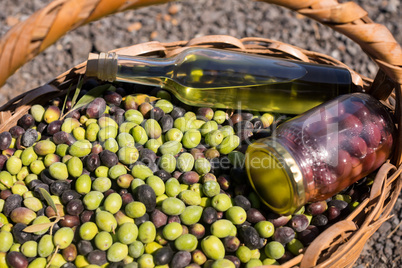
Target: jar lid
[(275, 176)]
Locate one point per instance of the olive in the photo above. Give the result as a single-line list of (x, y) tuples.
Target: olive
[(156, 113), (96, 108), (173, 134), (37, 111), (144, 108), (22, 215), (146, 232), (265, 229), (213, 247), (74, 207), (146, 195), (69, 253), (16, 131), (92, 162), (274, 250), (190, 197), (3, 160), (170, 147), (19, 235), (126, 155), (112, 97), (84, 247), (127, 233), (69, 221), (12, 202), (164, 105), (191, 138), (97, 257), (117, 252), (173, 206), (163, 256), (130, 103), (108, 158), (103, 240), (27, 139), (26, 121), (166, 122), (177, 112), (181, 259), (237, 215), (63, 237), (186, 242), (185, 162), (80, 148), (7, 241), (17, 260)]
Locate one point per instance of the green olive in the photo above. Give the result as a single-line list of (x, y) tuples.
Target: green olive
[(208, 127), (69, 125), (165, 105), (80, 148), (128, 155), (125, 139), (168, 163), (88, 230), (106, 133), (13, 165), (75, 167), (139, 134), (174, 134), (63, 237), (191, 138), (170, 147), (37, 167), (152, 128), (219, 116), (113, 203), (28, 156), (214, 138), (185, 162), (127, 233), (228, 144), (126, 127), (105, 121), (83, 184), (141, 172), (153, 145), (146, 232), (186, 242), (92, 131), (59, 171), (111, 145), (134, 116)]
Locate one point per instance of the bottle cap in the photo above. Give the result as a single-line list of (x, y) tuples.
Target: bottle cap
[(103, 66), (275, 176), (92, 65)]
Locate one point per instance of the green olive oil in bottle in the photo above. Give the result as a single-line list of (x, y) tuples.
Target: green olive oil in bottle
[(226, 79)]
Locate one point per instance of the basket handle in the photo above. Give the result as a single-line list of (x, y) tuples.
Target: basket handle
[(30, 37)]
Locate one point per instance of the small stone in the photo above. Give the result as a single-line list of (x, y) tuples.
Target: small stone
[(134, 26), (173, 9)]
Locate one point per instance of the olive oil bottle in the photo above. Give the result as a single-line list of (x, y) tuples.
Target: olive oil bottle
[(226, 79)]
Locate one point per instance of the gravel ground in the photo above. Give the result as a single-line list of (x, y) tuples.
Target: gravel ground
[(188, 19)]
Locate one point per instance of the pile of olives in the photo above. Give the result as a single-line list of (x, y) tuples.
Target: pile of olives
[(134, 181)]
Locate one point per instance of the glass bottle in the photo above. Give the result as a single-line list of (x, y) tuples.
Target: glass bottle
[(318, 154), (227, 79)]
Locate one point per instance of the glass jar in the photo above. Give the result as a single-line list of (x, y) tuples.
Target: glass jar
[(321, 152)]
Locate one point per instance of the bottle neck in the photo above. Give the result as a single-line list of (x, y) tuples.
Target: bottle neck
[(142, 70)]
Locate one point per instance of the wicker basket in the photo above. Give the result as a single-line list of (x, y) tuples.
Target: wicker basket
[(338, 246)]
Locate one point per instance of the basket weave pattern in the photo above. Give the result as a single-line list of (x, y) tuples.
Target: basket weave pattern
[(338, 246)]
